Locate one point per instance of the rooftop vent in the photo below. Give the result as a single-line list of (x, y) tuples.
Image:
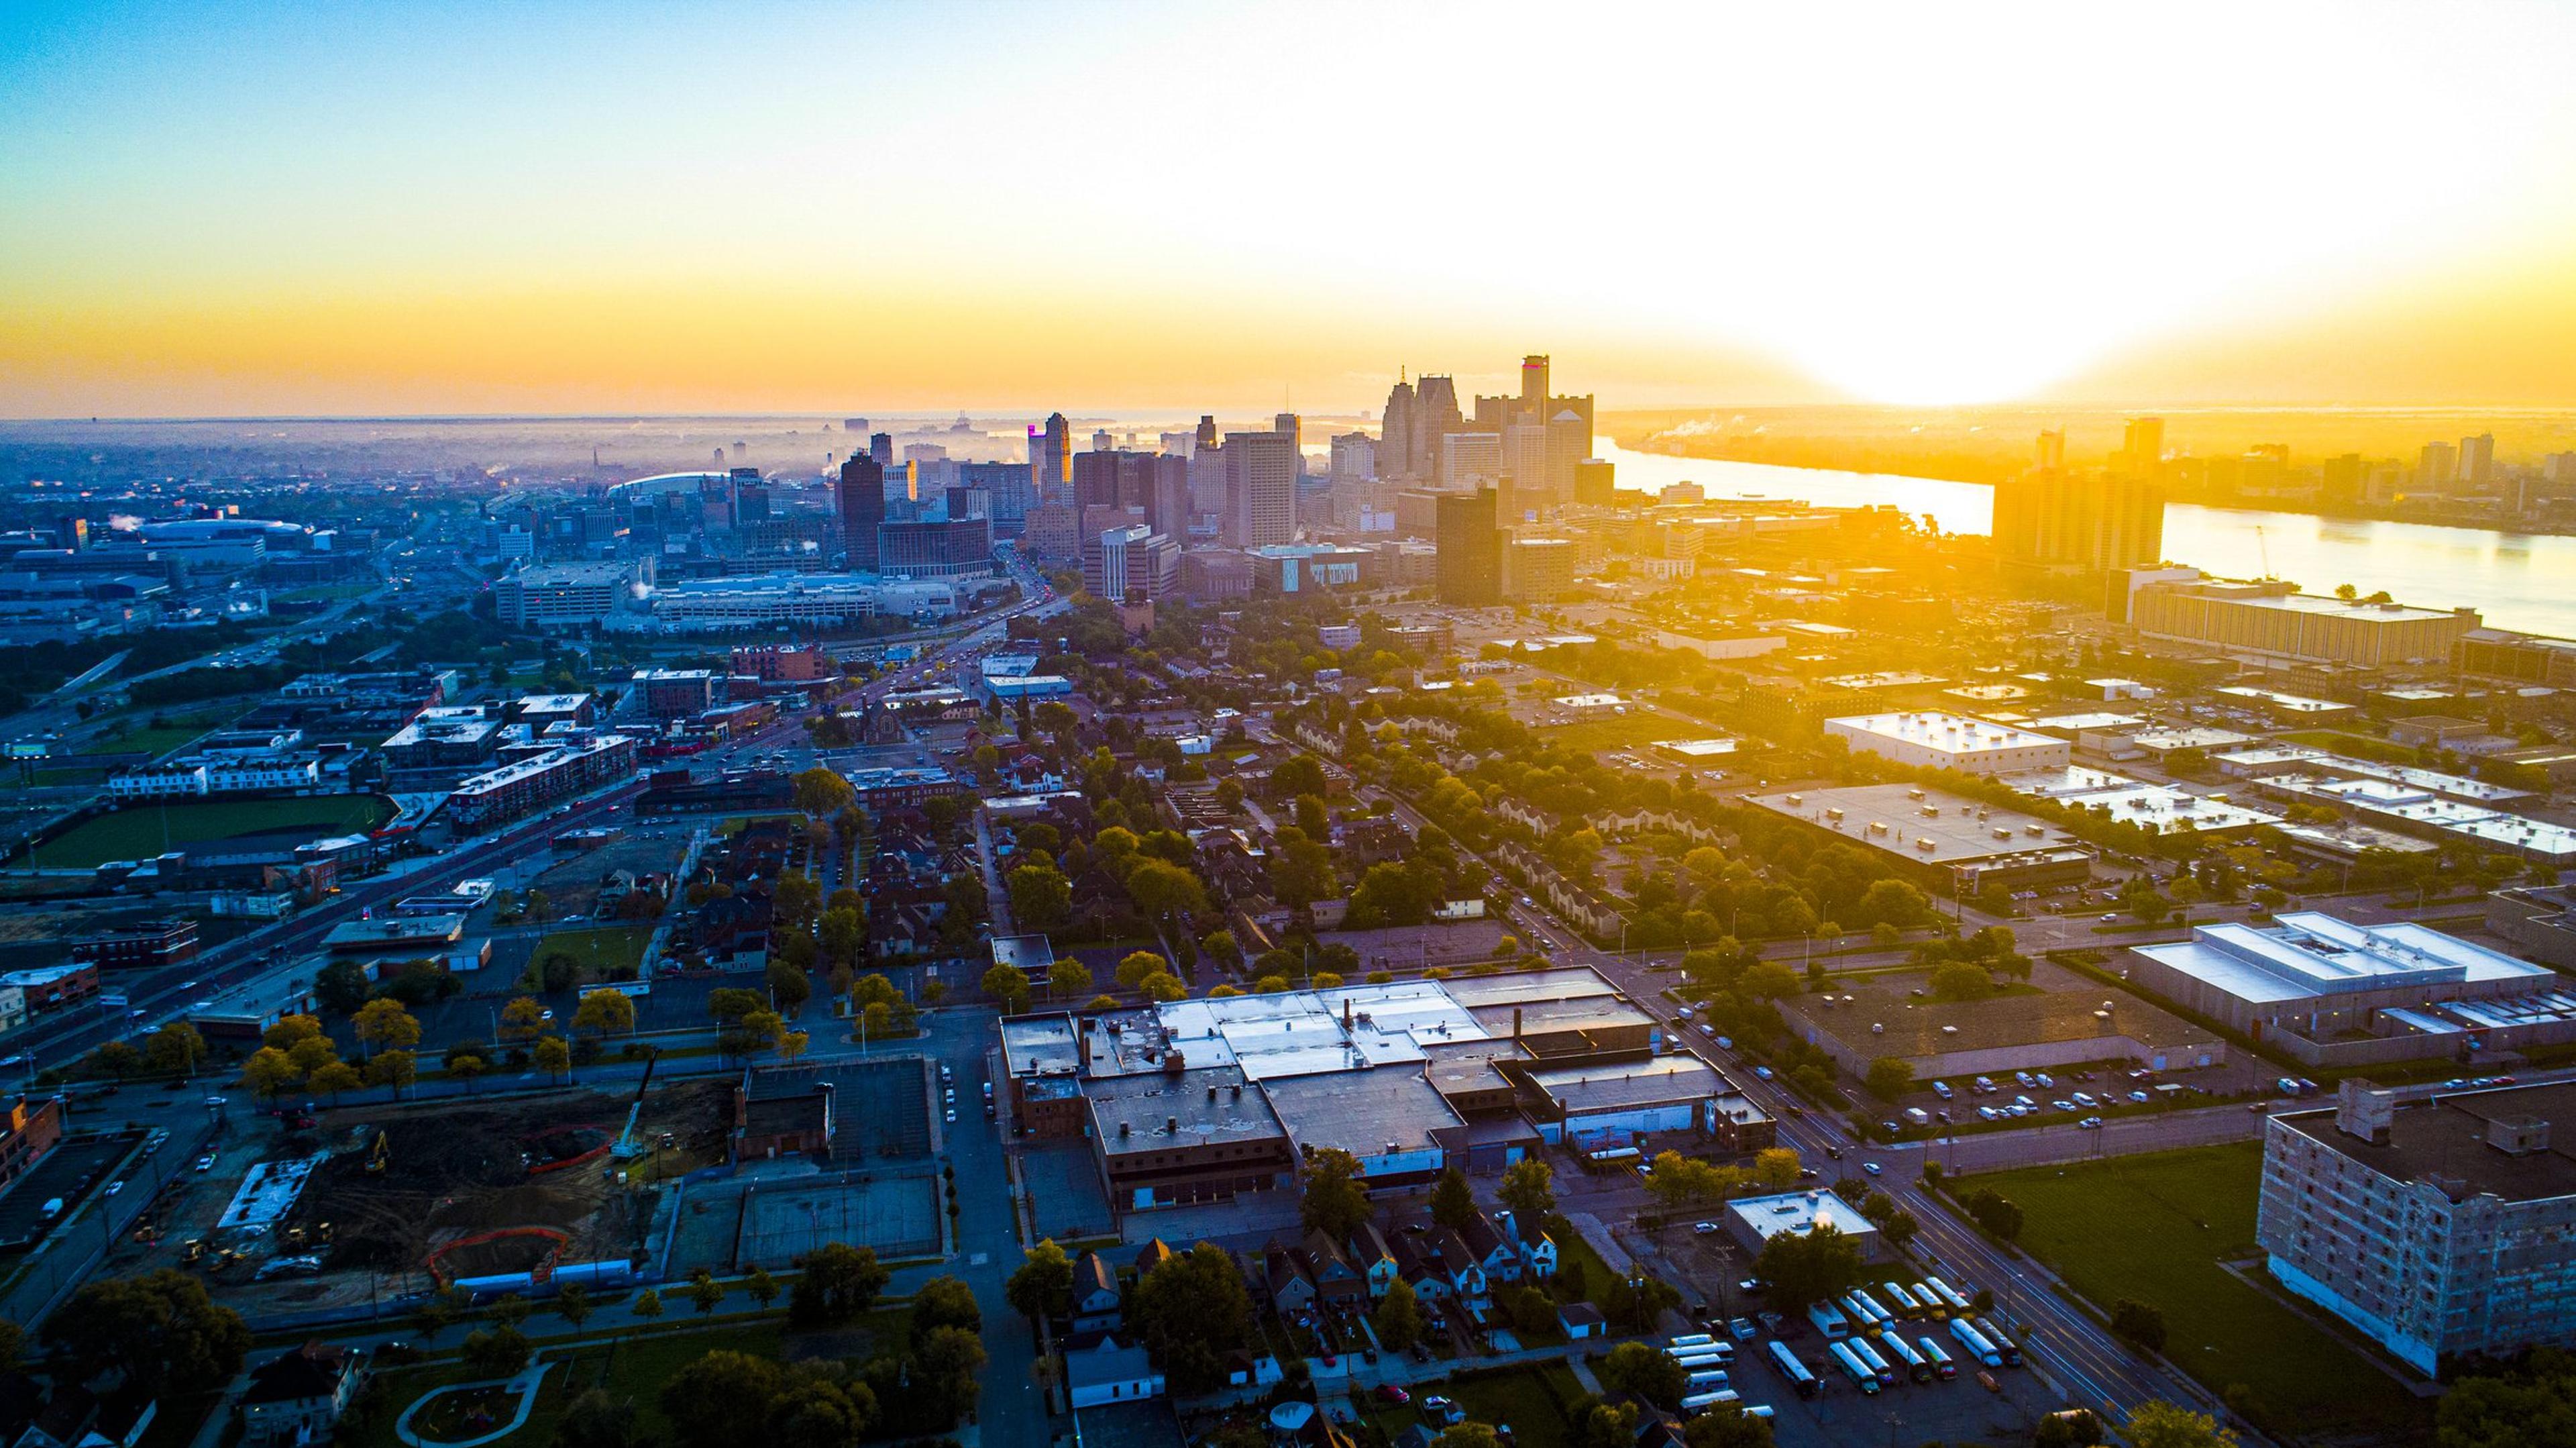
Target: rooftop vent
[(2518, 1135)]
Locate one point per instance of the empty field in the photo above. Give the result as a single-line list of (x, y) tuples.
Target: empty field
[(2156, 1228), (606, 952), (142, 831)]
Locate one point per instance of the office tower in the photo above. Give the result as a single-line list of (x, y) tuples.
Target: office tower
[(2341, 479), (1167, 495), (1596, 483), (1395, 432), (1260, 488), (1205, 437), (1101, 441), (1095, 479), (2477, 460), (1534, 385), (1525, 456), (1435, 416), (1294, 427), (2559, 467), (2142, 447), (965, 502), (1050, 457), (862, 511), (1469, 566), (1569, 442), (2053, 520), (2052, 447), (855, 426), (1130, 561), (2438, 468), (881, 448), (923, 452)]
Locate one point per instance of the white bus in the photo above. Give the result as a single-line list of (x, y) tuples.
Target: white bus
[(1694, 1362), (1829, 1320), (1904, 1302), (1864, 1313), (1899, 1352), (1975, 1342), (1947, 1295), (2003, 1344), (1878, 1313), (1942, 1367), (1854, 1368), (1702, 1402), (1887, 1374), (1693, 1339), (1792, 1369), (1704, 1380)]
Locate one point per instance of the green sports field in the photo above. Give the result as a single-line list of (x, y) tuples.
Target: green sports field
[(2156, 1228), (142, 831)]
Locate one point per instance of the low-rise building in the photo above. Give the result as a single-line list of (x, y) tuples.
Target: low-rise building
[(1946, 842), (298, 1398), (144, 946), (497, 796), (1754, 1221), (1933, 740)]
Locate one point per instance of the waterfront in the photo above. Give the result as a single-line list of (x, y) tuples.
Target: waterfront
[(2514, 580)]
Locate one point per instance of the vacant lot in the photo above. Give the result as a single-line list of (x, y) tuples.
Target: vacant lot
[(146, 830), (2156, 1228), (601, 953), (1603, 732), (1526, 1398)]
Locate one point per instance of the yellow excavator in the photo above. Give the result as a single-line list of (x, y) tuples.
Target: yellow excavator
[(382, 1152)]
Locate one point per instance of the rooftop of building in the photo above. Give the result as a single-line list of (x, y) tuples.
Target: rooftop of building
[(2161, 808), (1390, 1109), (2445, 1143), (1916, 1026), (2195, 738), (1798, 1213), (2309, 954), (1035, 1046), (1615, 1085), (391, 929), (1161, 1111), (1883, 679), (1899, 819), (552, 703), (2320, 605), (1932, 729)]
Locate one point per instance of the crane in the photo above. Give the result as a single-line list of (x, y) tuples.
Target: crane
[(2263, 544), (626, 1149)]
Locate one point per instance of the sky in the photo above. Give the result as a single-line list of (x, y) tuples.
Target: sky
[(468, 208)]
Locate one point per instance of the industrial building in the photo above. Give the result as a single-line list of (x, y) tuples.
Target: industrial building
[(1928, 739), (1201, 1100), (2333, 992), (571, 595), (2440, 1229), (1946, 842), (2272, 620)]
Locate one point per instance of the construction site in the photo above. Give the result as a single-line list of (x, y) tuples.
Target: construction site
[(492, 1196)]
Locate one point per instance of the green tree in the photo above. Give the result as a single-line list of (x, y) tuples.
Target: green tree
[(708, 1402), (789, 987), (342, 987), (1191, 1311), (1043, 1285), (500, 1352), (1646, 1370), (647, 1304), (573, 1305), (816, 1409), (945, 1301), (1067, 979), (175, 1049), (2139, 1322), (2163, 1425), (552, 1055), (1726, 1425), (822, 793), (1336, 1199), (1889, 1078), (1008, 986), (839, 1282), (1802, 1270), (597, 1420), (604, 1012), (161, 1330), (1529, 1189), (1994, 1212), (1452, 1204), (1398, 1317), (762, 1288), (1960, 980), (1041, 897)]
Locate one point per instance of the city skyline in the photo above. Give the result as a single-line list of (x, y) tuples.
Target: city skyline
[(482, 211)]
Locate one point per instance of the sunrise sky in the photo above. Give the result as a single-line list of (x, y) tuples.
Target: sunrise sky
[(524, 208)]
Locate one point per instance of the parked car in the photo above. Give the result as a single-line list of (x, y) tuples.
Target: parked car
[(1390, 1393), (206, 1162)]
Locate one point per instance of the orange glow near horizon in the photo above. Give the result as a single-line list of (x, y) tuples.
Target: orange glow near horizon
[(1182, 208)]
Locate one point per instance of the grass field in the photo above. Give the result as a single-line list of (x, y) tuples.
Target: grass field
[(1615, 731), (631, 1369), (2155, 1228), (146, 740), (601, 951), (143, 831), (1518, 1397)]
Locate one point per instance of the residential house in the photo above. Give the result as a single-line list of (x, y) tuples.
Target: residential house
[(298, 1397), (1106, 1372), (1337, 1282), (1496, 1253), (74, 1417), (1095, 1295), (1465, 1266), (1290, 1289), (1537, 1248), (1154, 1254), (1420, 1268), (1374, 1259)]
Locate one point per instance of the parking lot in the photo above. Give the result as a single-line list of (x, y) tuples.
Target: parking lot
[(70, 1172)]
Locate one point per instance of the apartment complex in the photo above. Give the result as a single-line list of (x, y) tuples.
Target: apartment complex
[(2440, 1228), (503, 794)]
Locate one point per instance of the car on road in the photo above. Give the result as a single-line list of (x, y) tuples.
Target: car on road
[(1741, 1329), (206, 1162), (1703, 1228), (1833, 1153), (1762, 1071), (2139, 1096), (1870, 1166), (113, 1188), (2094, 1123)]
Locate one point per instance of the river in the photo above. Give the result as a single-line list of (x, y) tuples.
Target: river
[(2514, 580)]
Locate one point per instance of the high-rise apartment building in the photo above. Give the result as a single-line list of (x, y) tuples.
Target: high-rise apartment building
[(1469, 568), (2438, 468), (1295, 427), (2142, 448), (1051, 456), (862, 509), (2053, 519), (2440, 1230), (2477, 460), (1354, 457), (1260, 488), (1469, 459)]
